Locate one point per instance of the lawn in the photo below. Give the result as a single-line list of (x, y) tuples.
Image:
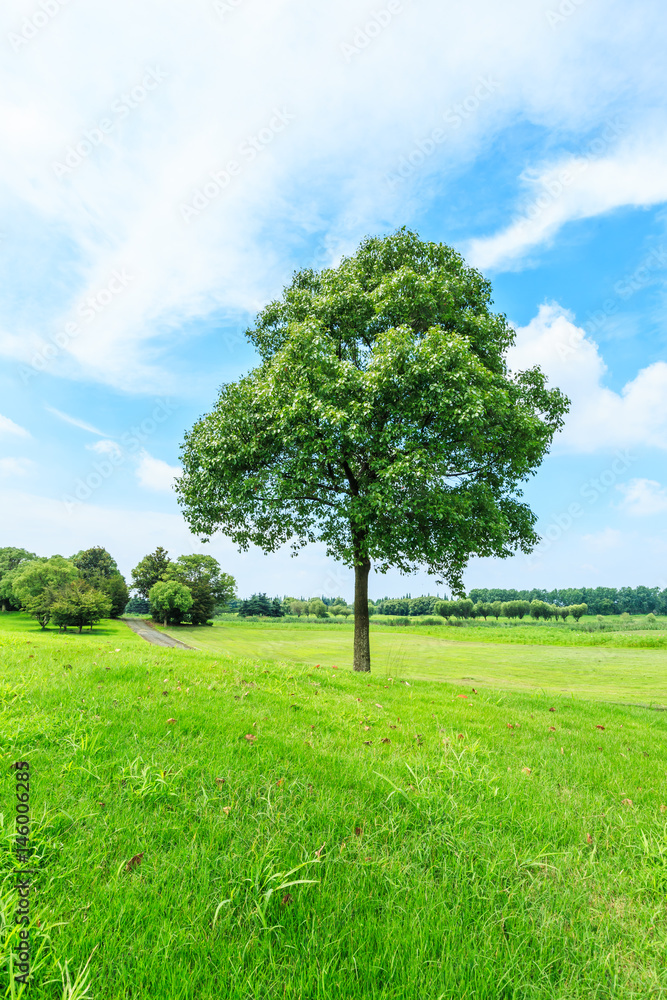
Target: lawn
[(598, 672), (445, 844)]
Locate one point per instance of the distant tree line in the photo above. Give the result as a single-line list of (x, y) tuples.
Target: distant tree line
[(599, 600), (263, 606)]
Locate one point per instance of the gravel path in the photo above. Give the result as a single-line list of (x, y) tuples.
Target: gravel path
[(146, 629)]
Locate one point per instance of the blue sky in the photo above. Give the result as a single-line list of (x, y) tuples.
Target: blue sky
[(166, 168)]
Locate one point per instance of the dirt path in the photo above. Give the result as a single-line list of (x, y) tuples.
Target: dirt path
[(147, 630)]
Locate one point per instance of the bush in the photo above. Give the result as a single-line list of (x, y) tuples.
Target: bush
[(399, 621)]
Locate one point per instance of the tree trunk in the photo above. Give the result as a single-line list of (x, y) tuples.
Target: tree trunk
[(362, 650), (80, 629)]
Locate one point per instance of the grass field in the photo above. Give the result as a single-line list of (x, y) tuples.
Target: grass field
[(602, 672), (446, 845)]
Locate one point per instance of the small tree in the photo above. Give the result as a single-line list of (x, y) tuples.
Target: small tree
[(463, 608), (565, 611), (78, 604), (496, 609), (445, 608), (578, 610), (317, 607), (36, 585), (382, 421), (138, 606), (298, 608), (170, 601)]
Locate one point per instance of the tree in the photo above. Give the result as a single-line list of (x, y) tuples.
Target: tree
[(203, 602), (496, 609), (138, 606), (150, 571), (297, 608), (11, 560), (318, 607), (445, 608), (382, 421), (116, 590), (463, 608), (578, 610), (94, 563), (197, 568), (78, 604), (170, 601), (36, 585), (99, 569), (515, 609)]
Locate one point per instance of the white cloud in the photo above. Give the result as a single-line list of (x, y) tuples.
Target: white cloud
[(105, 447), (154, 474), (8, 426), (579, 187), (643, 497), (603, 541), (119, 207), (42, 525), (598, 417), (10, 467), (74, 421)]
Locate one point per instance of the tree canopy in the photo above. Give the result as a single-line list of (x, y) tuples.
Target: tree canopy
[(381, 421)]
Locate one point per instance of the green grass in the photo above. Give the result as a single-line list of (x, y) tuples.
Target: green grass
[(478, 854), (604, 673)]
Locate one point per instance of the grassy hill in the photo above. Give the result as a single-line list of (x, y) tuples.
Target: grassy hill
[(445, 842)]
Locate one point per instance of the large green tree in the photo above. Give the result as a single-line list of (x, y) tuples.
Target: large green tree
[(381, 421)]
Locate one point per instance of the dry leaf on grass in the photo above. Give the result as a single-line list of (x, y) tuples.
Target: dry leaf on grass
[(589, 839), (250, 737), (134, 862)]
